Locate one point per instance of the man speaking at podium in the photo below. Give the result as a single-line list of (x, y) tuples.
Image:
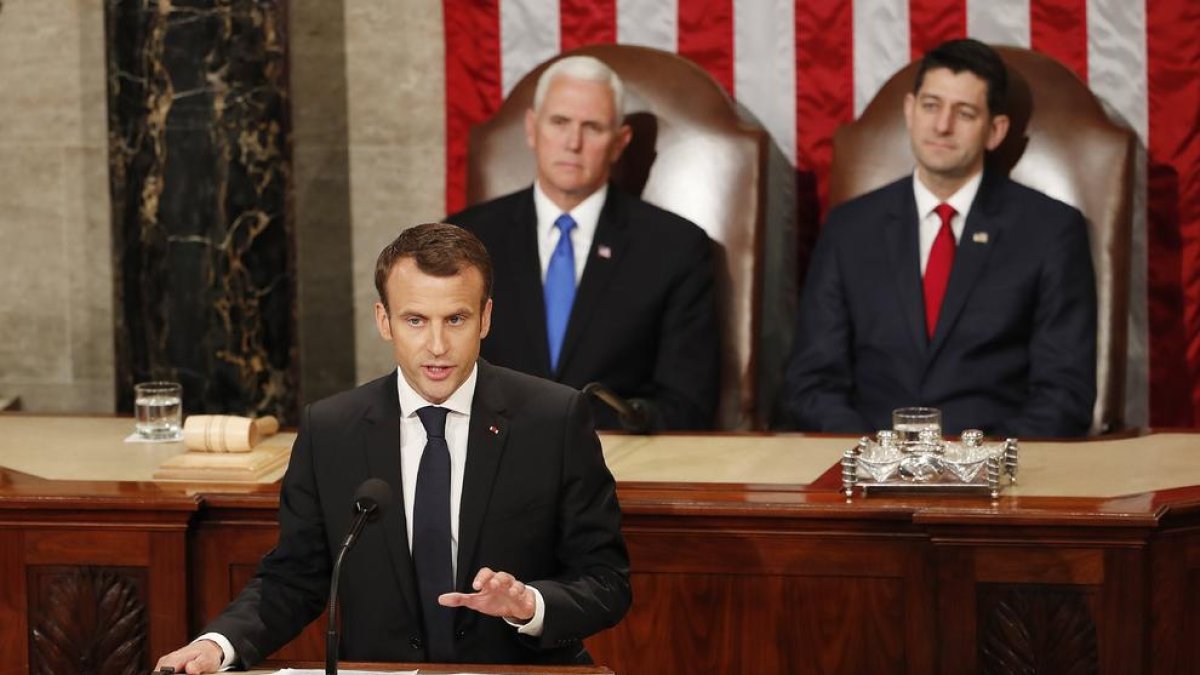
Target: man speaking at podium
[(502, 543)]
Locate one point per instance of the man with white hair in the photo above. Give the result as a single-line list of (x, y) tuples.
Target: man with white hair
[(596, 285)]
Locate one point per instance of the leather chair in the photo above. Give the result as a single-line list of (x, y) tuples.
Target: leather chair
[(1060, 142), (690, 154)]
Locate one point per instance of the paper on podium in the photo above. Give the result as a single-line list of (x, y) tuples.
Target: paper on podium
[(343, 671), (297, 671)]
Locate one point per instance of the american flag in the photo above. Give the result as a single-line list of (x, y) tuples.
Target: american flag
[(805, 67)]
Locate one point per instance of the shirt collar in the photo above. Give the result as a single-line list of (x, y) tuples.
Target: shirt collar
[(586, 214), (960, 200), (459, 401)]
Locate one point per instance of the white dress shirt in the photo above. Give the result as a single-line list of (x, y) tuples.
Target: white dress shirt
[(586, 216), (930, 222), (412, 446)]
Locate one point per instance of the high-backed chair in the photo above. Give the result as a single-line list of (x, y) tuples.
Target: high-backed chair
[(690, 154), (1060, 142)]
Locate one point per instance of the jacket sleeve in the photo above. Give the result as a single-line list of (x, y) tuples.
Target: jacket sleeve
[(290, 588), (686, 369), (820, 376), (592, 592), (1062, 345)]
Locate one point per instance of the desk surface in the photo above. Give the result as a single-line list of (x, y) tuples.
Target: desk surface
[(93, 449)]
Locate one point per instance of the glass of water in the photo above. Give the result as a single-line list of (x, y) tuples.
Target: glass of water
[(910, 422), (158, 407)]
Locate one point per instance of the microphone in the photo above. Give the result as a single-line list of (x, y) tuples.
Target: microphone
[(370, 500), (632, 413)]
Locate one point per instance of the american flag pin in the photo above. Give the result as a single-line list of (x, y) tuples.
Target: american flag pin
[(604, 251), (979, 237), (494, 429)]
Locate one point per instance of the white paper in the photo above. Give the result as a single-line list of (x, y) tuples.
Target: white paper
[(341, 671)]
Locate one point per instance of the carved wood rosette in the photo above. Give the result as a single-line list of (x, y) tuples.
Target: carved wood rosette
[(87, 620), (1036, 630)]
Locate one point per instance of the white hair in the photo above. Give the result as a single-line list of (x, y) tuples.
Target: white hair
[(586, 68)]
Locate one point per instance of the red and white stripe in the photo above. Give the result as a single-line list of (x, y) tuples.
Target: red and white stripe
[(804, 67)]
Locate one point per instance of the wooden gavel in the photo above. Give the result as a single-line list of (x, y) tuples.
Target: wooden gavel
[(226, 433)]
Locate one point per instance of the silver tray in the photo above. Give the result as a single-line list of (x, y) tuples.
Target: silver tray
[(931, 467)]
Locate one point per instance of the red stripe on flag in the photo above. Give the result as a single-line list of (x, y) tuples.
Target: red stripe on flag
[(1173, 211), (706, 37), (932, 22), (1058, 28), (587, 22), (473, 86), (824, 87)]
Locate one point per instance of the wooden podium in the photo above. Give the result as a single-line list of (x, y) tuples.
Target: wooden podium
[(745, 559), (445, 669)]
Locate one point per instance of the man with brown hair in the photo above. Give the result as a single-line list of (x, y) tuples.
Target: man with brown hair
[(503, 542), (954, 287)]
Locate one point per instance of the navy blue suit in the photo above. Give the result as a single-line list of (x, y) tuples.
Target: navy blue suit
[(644, 317), (1014, 350)]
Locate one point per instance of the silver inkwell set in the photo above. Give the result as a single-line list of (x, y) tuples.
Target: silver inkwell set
[(913, 457)]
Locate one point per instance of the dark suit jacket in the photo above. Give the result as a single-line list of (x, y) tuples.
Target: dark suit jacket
[(644, 318), (537, 501), (1014, 351)]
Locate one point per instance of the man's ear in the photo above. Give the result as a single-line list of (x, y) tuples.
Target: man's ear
[(485, 319), (997, 132), (382, 322), (624, 136), (910, 103)]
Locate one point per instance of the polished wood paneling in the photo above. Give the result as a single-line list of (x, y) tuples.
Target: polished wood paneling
[(14, 603), (727, 578), (226, 551)]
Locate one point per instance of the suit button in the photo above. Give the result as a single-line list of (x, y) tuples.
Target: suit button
[(460, 634), (414, 642)]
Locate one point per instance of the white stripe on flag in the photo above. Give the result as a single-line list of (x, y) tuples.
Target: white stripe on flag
[(529, 31), (881, 46), (1117, 59), (1117, 74), (999, 22), (649, 23), (764, 67)]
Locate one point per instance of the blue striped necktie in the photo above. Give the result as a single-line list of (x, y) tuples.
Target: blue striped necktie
[(559, 289)]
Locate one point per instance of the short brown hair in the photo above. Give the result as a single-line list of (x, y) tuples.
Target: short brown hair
[(974, 57), (440, 250)]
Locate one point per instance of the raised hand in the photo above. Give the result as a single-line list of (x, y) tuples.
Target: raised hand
[(498, 594)]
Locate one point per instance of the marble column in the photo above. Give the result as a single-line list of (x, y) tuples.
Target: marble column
[(200, 165)]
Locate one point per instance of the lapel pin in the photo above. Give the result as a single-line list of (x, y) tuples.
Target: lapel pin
[(604, 251), (494, 429), (979, 237)]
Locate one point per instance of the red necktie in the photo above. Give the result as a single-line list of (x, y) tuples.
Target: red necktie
[(937, 270)]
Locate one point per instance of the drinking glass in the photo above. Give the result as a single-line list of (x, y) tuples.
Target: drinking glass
[(158, 407), (910, 422)]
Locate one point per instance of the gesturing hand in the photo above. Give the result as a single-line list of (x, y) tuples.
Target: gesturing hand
[(499, 594)]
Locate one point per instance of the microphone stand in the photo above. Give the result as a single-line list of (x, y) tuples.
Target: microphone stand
[(632, 413), (366, 508)]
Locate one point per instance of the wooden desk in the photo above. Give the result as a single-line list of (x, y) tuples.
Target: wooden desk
[(1091, 565)]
